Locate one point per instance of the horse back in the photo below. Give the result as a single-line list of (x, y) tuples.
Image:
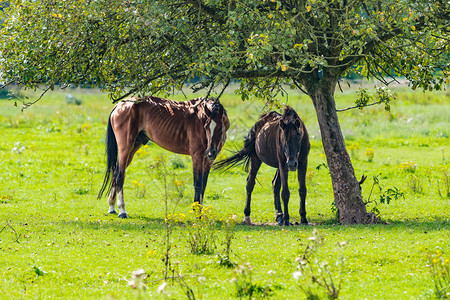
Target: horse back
[(172, 125), (265, 134)]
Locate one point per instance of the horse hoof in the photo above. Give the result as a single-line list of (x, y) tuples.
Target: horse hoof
[(111, 213), (280, 219), (247, 221), (123, 215)]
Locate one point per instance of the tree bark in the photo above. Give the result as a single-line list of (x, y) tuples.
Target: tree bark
[(347, 192)]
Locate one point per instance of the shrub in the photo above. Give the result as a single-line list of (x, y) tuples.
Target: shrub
[(439, 267), (313, 273), (202, 235)]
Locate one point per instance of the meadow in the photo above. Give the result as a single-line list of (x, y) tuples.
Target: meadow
[(56, 240)]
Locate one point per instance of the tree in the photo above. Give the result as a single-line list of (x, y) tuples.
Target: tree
[(128, 47)]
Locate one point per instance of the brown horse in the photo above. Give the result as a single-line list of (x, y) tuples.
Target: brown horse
[(282, 142), (196, 127)]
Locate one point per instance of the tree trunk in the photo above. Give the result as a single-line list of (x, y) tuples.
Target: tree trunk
[(347, 192)]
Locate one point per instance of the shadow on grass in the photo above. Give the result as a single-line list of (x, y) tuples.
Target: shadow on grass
[(426, 226), (137, 223), (142, 222)]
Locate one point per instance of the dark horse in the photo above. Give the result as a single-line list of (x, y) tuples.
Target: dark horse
[(282, 142), (196, 127)]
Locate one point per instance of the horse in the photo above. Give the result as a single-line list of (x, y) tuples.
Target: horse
[(196, 128), (282, 142)]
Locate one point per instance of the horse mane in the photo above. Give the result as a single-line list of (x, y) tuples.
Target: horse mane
[(289, 115), (211, 107)]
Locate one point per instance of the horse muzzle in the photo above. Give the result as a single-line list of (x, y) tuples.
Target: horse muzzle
[(292, 165), (211, 154)]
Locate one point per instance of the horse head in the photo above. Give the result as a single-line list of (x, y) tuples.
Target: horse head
[(291, 134), (216, 126)]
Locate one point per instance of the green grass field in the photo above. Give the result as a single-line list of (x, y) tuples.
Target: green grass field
[(57, 242)]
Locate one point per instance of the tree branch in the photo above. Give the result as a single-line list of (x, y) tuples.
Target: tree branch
[(208, 10), (360, 107), (28, 104)]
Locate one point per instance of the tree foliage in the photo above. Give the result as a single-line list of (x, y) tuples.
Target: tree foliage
[(140, 46), (127, 47)]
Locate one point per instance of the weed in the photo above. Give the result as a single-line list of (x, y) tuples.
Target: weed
[(439, 267), (415, 184), (385, 196), (5, 198), (215, 196), (408, 166), (84, 149), (140, 189), (370, 153), (177, 163), (353, 147), (444, 191), (137, 283), (81, 191), (180, 187), (187, 290), (17, 235), (137, 278), (309, 177), (142, 151), (53, 129), (162, 173), (443, 154), (18, 148), (38, 271), (334, 210), (245, 287), (202, 235), (229, 229), (312, 272), (83, 128), (322, 165)]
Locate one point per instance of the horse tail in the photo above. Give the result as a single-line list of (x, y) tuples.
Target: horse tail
[(111, 158), (241, 157)]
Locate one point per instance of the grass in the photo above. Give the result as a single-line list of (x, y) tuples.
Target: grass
[(56, 242)]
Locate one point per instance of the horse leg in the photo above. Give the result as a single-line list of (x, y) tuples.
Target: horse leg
[(285, 194), (113, 193), (206, 169), (126, 153), (276, 184), (301, 174), (120, 181), (113, 196), (197, 166), (255, 164)]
